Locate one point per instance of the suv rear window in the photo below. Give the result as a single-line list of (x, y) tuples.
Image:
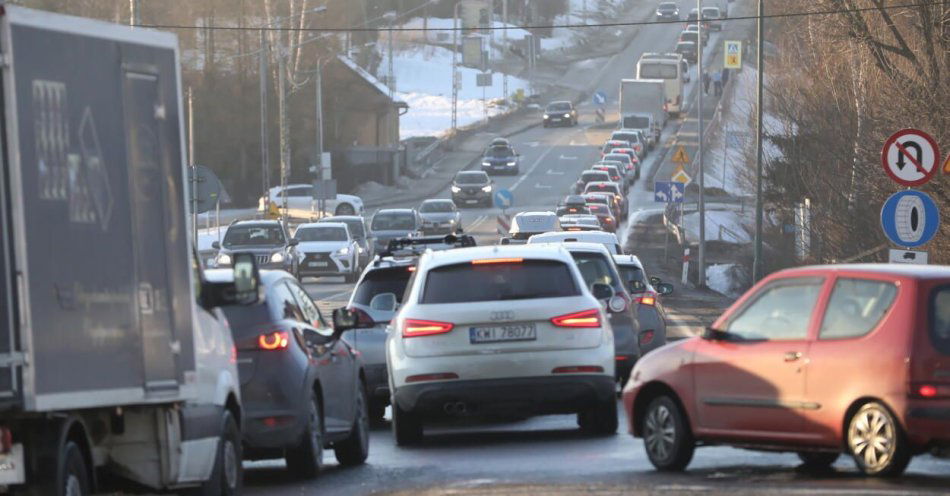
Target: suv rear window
[(379, 281), (940, 319), (529, 279)]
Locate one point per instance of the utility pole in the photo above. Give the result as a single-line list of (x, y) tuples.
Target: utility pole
[(284, 128), (391, 78), (191, 164), (265, 145), (504, 18), (757, 264), (134, 14), (702, 171), (455, 56)]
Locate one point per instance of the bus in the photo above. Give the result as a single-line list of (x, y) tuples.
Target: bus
[(669, 68)]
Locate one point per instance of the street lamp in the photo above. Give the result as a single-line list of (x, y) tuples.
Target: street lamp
[(455, 82)]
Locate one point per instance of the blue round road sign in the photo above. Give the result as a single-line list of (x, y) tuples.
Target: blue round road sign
[(910, 218), (504, 198)]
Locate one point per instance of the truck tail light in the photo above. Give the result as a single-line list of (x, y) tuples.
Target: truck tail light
[(586, 319), (412, 328)]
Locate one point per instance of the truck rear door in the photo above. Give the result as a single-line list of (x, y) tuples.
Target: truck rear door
[(144, 109)]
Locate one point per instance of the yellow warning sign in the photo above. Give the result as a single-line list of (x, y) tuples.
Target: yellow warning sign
[(733, 55), (680, 176), (681, 157), (946, 165)]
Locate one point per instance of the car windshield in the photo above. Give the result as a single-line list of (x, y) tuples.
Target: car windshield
[(437, 207), (524, 280), (471, 177), (254, 235), (636, 122), (379, 281), (559, 107), (594, 176), (667, 6), (394, 222), (355, 226), (321, 233), (499, 152), (633, 277), (595, 268)]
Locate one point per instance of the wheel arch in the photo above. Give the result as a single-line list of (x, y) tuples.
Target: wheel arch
[(853, 408), (648, 393)]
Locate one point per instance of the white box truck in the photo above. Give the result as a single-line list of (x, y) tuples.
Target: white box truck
[(641, 107), (114, 357)]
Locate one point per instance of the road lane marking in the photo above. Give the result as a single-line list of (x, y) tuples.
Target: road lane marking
[(565, 157), (532, 168), (541, 186), (552, 172)]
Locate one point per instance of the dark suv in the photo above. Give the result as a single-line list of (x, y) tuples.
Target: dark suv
[(302, 386), (668, 11), (501, 159), (266, 239), (472, 188), (560, 114)]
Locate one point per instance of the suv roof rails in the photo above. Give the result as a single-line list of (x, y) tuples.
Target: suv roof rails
[(413, 247)]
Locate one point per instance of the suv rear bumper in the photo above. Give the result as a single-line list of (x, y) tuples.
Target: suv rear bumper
[(524, 395)]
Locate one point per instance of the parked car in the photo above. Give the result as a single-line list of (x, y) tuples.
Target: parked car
[(647, 293), (455, 352), (300, 203), (327, 249), (472, 188), (597, 267), (560, 113), (786, 367), (440, 217), (667, 11), (392, 223), (527, 224), (501, 159), (265, 239), (301, 385), (356, 225)]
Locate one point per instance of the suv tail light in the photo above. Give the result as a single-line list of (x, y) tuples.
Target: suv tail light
[(647, 299), (277, 340), (412, 328), (586, 319)]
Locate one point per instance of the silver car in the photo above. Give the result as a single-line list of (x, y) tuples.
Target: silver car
[(440, 217)]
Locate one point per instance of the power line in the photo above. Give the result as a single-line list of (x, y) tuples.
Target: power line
[(357, 29)]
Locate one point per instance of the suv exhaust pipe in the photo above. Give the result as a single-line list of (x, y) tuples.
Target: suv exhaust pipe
[(455, 408)]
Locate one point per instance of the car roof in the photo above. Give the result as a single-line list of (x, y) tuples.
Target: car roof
[(396, 211), (598, 183), (535, 214), (253, 222), (322, 225), (582, 237), (471, 173), (438, 200), (576, 246), (899, 270), (340, 218), (628, 260), (461, 255), (226, 275)]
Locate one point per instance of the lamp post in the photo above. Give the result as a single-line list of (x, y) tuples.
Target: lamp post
[(455, 82), (702, 171), (757, 268)]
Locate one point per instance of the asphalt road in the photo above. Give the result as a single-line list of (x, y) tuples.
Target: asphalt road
[(549, 455)]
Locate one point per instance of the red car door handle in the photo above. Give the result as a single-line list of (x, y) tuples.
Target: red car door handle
[(791, 356)]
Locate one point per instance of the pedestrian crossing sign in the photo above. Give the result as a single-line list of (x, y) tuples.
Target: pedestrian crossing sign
[(681, 157), (733, 57)]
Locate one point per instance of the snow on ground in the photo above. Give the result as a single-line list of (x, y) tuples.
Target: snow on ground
[(724, 279), (424, 81), (721, 225)]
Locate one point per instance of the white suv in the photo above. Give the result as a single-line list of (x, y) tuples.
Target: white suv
[(501, 330)]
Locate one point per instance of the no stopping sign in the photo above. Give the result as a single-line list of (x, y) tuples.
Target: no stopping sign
[(910, 218)]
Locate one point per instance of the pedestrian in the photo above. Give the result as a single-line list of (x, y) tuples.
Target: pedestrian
[(725, 76), (717, 82), (706, 81)]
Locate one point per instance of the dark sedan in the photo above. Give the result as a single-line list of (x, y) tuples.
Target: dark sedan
[(472, 188), (501, 159)]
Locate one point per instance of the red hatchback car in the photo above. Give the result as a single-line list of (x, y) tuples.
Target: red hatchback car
[(816, 360)]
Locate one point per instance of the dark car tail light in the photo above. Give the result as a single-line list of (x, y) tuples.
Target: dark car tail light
[(586, 319), (277, 340), (413, 328), (578, 369)]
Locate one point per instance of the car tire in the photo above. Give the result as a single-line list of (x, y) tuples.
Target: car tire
[(306, 459), (407, 427), (345, 209), (601, 419), (355, 449), (227, 476), (666, 435), (377, 412), (871, 426), (817, 460)]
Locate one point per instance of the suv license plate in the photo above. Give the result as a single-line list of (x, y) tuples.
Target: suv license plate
[(319, 264), (500, 334)]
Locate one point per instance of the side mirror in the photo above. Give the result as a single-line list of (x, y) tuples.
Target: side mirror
[(712, 334), (654, 280), (384, 302), (293, 242), (506, 241), (602, 291), (344, 319), (216, 245), (664, 288)]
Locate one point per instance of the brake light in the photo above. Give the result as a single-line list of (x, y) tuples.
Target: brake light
[(609, 220), (277, 340), (573, 229), (927, 391), (647, 299), (621, 358), (489, 261), (412, 328), (579, 320), (411, 268), (578, 369)]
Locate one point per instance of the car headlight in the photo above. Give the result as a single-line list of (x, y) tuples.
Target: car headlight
[(277, 257), (456, 189), (223, 259), (487, 189), (344, 251), (567, 116), (486, 164), (546, 116)]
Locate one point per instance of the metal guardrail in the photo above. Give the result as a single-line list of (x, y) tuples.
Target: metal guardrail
[(423, 156)]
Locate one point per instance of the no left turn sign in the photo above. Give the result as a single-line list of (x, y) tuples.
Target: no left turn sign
[(910, 157)]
